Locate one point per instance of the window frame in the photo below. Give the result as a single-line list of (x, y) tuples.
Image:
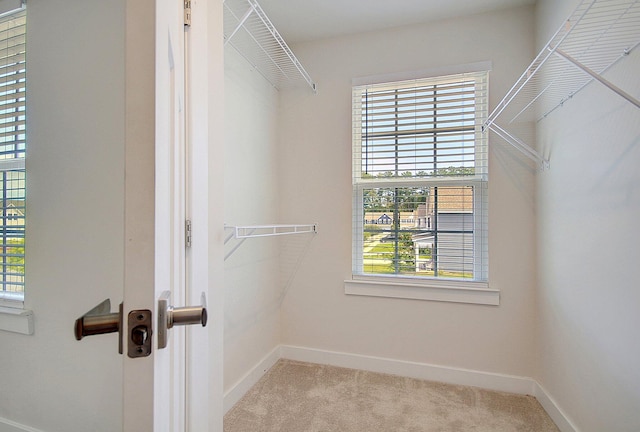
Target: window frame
[(13, 316), (13, 299), (15, 162), (475, 290)]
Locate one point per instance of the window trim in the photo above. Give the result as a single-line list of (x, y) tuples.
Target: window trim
[(419, 74), (449, 290), (416, 288), (16, 320)]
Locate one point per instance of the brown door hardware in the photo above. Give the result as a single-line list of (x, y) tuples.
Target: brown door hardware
[(139, 340)]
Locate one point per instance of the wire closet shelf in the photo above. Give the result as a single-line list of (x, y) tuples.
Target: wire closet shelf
[(272, 230), (595, 37), (254, 231), (248, 29)]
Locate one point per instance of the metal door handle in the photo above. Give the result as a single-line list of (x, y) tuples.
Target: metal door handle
[(186, 315), (100, 320), (169, 316)]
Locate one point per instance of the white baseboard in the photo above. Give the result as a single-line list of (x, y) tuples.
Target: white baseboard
[(240, 388), (554, 411), (449, 375), (445, 374), (7, 425)]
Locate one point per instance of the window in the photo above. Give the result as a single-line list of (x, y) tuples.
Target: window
[(420, 179), (12, 155)]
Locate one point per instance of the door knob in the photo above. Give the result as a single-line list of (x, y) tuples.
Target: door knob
[(169, 316)]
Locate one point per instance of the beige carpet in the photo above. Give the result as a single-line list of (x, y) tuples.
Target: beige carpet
[(303, 397)]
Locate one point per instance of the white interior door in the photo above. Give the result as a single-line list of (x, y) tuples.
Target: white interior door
[(165, 391), (93, 87)]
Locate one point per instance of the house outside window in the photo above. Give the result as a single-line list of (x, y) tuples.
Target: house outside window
[(12, 156), (420, 179)]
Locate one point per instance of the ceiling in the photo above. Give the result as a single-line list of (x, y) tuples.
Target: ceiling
[(305, 20)]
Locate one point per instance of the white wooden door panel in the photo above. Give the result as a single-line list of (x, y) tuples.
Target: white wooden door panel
[(139, 240), (154, 387)]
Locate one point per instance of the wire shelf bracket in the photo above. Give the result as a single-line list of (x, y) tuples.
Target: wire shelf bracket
[(521, 146), (243, 233), (248, 29), (595, 37)]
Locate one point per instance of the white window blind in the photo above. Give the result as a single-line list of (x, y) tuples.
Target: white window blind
[(12, 154), (420, 178)]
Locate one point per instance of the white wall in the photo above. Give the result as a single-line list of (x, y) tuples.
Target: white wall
[(252, 289), (75, 208), (589, 202), (315, 185)]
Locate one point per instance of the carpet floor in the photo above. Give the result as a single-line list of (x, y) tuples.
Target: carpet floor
[(303, 397)]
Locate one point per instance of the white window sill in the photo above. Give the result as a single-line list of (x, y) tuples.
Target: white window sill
[(433, 290), (13, 317)]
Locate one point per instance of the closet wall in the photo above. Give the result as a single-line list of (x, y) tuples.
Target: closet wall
[(588, 207), (315, 184), (252, 288)]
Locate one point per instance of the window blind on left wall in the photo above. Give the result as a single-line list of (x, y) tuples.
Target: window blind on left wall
[(12, 154)]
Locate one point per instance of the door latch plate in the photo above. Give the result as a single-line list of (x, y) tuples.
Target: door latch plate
[(139, 337)]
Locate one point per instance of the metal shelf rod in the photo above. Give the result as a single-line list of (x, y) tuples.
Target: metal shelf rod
[(599, 78), (272, 230), (242, 233)]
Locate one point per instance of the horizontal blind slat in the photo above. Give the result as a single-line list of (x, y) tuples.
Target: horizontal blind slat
[(9, 115), (14, 133), (12, 69), (9, 54), (16, 58), (8, 89)]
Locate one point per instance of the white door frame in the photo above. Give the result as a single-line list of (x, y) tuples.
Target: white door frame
[(170, 211), (205, 83)]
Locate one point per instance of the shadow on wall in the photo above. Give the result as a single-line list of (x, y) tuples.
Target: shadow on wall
[(269, 261)]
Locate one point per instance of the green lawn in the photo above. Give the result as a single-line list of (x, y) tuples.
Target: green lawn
[(382, 247), (384, 252), (389, 248)]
